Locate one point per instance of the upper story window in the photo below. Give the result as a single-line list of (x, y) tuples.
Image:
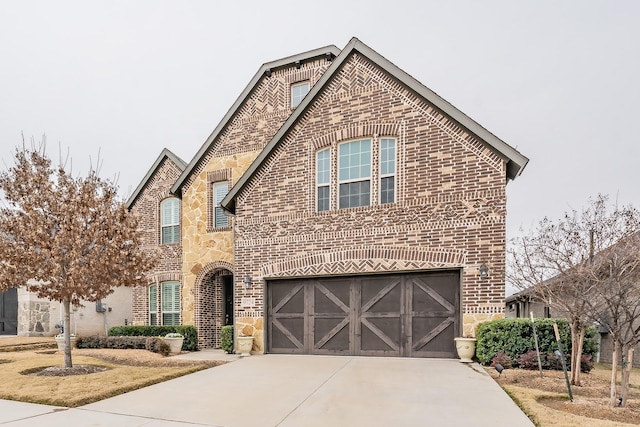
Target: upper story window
[(354, 174), (323, 175), (220, 189), (387, 170), (170, 221), (298, 92)]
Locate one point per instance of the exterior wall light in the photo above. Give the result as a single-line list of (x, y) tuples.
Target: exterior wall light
[(484, 271), (247, 282)]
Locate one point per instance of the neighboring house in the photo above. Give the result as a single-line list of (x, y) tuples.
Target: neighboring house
[(23, 313), (368, 214), (523, 303)]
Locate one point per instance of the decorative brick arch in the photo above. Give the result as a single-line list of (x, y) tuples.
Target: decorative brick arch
[(209, 302), (369, 259)]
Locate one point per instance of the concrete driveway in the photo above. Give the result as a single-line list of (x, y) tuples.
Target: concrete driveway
[(282, 390)]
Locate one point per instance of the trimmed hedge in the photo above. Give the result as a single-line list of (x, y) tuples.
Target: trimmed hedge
[(514, 337), (226, 338), (155, 344), (189, 332)]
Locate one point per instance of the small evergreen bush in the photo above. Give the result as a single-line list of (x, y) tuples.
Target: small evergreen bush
[(514, 337), (226, 338), (189, 332)]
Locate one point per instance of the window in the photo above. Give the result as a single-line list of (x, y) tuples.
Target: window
[(170, 221), (387, 170), (220, 189), (153, 305), (354, 174), (323, 174), (298, 92), (170, 303)]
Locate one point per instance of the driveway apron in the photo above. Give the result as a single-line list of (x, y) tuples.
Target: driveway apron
[(287, 391), (284, 390)]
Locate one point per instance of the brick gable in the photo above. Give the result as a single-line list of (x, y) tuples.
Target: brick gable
[(449, 212)]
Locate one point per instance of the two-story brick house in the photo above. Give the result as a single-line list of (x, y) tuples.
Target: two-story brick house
[(368, 214)]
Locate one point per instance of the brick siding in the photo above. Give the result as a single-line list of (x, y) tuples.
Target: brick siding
[(450, 203), (147, 209)]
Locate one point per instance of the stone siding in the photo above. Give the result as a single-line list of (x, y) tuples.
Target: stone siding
[(450, 201), (209, 251)]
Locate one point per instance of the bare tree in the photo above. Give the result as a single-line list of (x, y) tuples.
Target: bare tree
[(64, 238), (617, 304), (555, 263)]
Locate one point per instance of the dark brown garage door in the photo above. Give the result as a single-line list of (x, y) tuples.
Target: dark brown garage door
[(413, 315)]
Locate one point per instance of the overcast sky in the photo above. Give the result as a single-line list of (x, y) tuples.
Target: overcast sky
[(558, 80)]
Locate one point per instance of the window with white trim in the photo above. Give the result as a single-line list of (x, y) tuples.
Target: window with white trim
[(354, 174), (220, 218), (153, 304), (170, 303), (323, 175), (298, 92), (170, 221), (387, 170)]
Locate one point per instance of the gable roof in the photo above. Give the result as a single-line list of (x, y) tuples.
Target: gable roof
[(328, 51), (152, 170), (515, 161)]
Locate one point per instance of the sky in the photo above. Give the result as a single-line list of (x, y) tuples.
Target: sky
[(114, 82)]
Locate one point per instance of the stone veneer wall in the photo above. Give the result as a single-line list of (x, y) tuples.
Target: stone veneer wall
[(450, 210), (34, 319), (147, 209), (207, 250)]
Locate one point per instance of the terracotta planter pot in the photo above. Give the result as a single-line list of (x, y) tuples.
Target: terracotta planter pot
[(466, 348)]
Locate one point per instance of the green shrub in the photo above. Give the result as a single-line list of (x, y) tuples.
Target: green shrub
[(226, 338), (514, 337), (163, 348), (153, 344), (91, 342), (189, 332)]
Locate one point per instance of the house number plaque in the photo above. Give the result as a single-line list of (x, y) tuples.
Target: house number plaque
[(248, 302)]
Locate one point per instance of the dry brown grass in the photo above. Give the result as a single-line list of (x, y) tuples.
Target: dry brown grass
[(546, 401), (128, 370)]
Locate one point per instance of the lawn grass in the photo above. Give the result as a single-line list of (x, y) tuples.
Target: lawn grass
[(76, 390), (530, 401)]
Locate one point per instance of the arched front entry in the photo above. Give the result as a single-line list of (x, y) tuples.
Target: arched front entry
[(214, 303)]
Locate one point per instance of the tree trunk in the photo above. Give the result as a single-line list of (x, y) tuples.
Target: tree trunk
[(67, 334), (626, 374), (578, 363), (614, 373), (577, 338)]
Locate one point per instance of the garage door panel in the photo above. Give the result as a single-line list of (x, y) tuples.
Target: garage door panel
[(331, 336), (287, 335), (428, 298), (433, 337), (289, 298), (331, 298), (381, 295), (380, 334), (387, 315)]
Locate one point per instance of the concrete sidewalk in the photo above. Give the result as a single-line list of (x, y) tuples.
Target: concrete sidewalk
[(286, 391)]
